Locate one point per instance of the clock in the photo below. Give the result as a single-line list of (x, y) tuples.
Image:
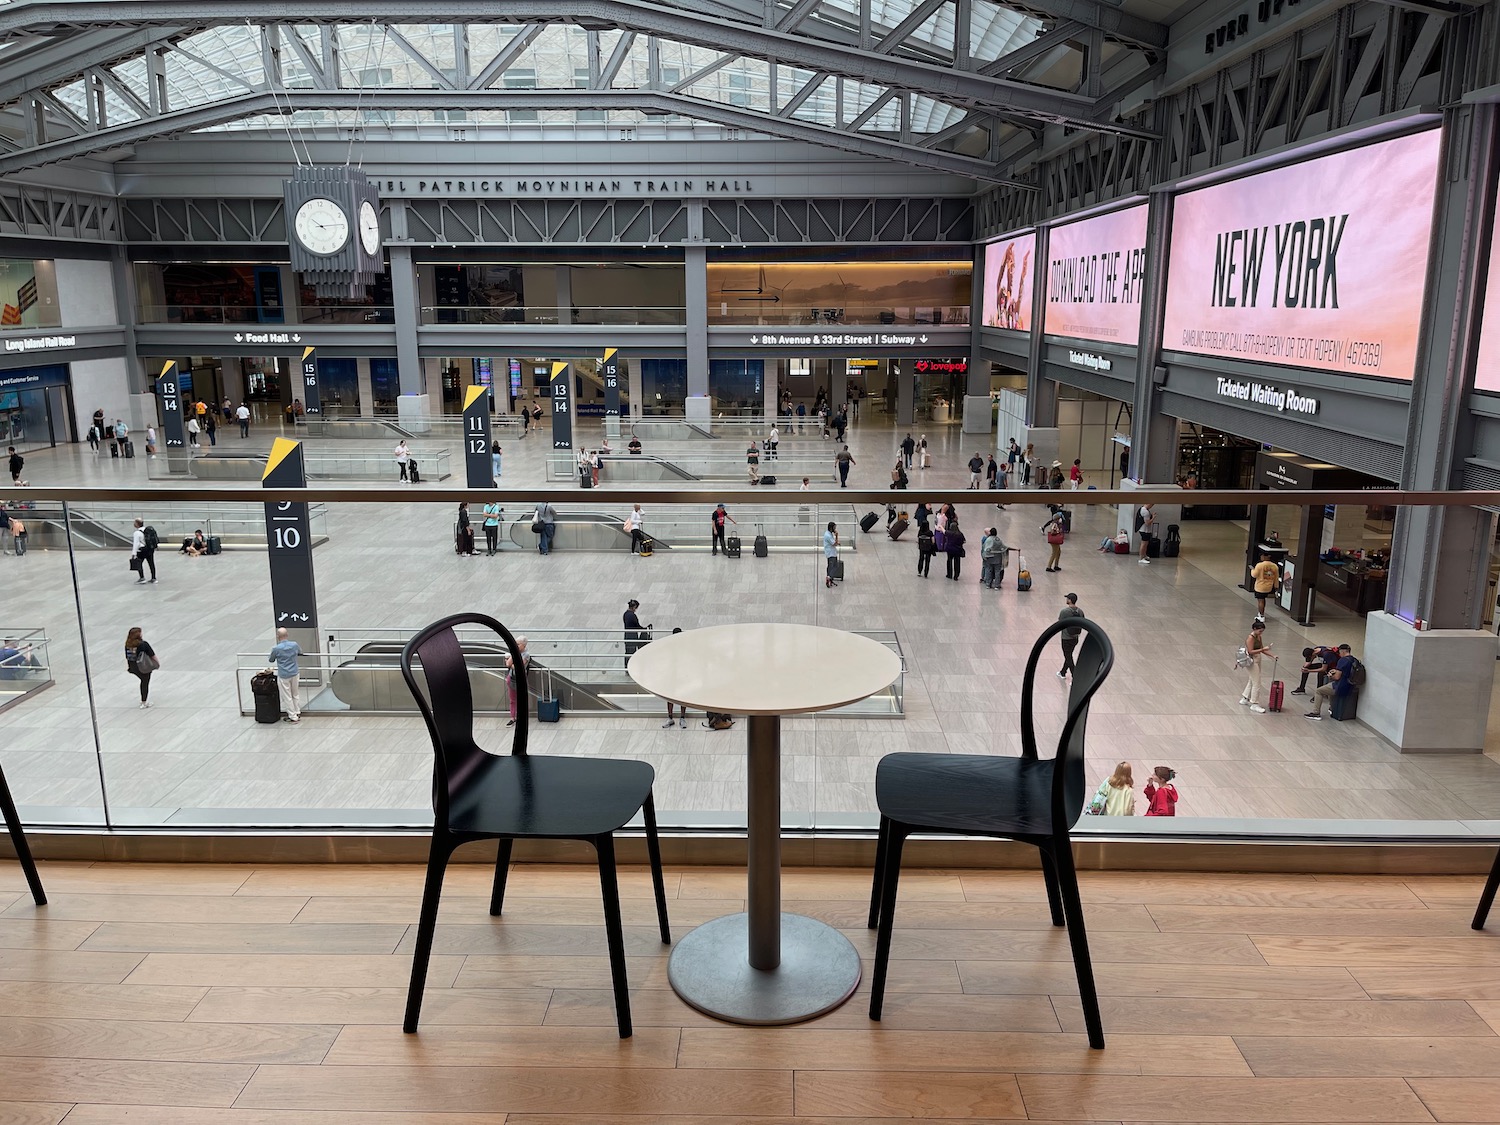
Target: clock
[(369, 228), (321, 226)]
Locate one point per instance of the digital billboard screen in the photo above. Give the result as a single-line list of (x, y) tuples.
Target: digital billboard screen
[(1487, 365), (1319, 265), (1096, 270), (1008, 267)]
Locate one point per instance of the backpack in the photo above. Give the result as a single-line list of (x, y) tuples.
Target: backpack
[(1242, 658), (1139, 520), (152, 541), (719, 721), (1356, 673)]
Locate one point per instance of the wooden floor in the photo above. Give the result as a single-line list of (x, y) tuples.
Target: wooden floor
[(232, 995)]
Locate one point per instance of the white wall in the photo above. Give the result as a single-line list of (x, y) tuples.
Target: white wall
[(100, 384), (86, 292)]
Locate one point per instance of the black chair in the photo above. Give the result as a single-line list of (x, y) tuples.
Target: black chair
[(1487, 899), (18, 841), (1030, 799), (477, 795)]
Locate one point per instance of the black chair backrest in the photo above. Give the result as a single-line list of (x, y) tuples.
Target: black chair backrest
[(447, 704), (1093, 660)]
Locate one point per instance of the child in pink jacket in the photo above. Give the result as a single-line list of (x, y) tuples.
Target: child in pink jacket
[(1160, 793)]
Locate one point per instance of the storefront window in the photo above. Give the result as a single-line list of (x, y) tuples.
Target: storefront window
[(209, 293), (738, 386), (663, 386), (28, 294), (385, 385), (839, 292), (374, 306), (34, 410), (552, 293)]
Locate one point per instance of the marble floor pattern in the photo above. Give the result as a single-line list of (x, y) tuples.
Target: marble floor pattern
[(389, 565)]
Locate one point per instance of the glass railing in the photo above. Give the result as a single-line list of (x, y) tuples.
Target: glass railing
[(250, 314), (695, 462), (554, 314), (382, 564), (323, 464), (766, 312)]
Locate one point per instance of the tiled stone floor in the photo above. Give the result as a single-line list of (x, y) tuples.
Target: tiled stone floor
[(1172, 698)]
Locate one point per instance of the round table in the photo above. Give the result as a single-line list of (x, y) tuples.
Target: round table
[(763, 966)]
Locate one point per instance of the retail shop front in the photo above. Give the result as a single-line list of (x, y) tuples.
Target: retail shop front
[(41, 376)]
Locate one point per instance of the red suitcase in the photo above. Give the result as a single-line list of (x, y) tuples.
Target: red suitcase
[(1278, 690)]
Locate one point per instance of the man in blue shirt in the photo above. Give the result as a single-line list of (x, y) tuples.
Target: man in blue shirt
[(1341, 686), (284, 654)]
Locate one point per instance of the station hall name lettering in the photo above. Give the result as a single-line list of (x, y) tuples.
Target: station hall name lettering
[(1278, 398), (564, 187), (1112, 278), (1306, 255)]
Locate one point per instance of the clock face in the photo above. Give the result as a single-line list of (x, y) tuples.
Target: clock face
[(322, 226), (369, 228)]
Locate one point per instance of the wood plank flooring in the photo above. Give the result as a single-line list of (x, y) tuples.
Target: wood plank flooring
[(216, 994)]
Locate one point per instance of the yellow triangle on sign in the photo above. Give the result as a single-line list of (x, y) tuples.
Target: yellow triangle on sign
[(171, 363), (281, 449), (557, 369), (609, 354), (472, 395), (307, 352)]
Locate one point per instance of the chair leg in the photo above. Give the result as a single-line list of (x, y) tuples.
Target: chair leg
[(502, 872), (895, 838), (1067, 879), (1049, 876), (613, 931), (432, 894), (23, 849), (882, 845), (1486, 900), (658, 881)]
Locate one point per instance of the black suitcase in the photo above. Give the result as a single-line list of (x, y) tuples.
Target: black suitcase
[(411, 472), (898, 529), (870, 520), (836, 569), (768, 480), (732, 547), (586, 478), (1344, 708), (267, 697), (129, 449), (1067, 522), (1173, 545), (114, 448), (1153, 547), (215, 545), (762, 547)]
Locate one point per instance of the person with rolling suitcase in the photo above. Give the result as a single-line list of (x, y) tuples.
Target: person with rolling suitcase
[(835, 568), (1277, 695), (1255, 649), (717, 520)]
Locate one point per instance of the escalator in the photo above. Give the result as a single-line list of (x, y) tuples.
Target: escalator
[(47, 529), (580, 531)]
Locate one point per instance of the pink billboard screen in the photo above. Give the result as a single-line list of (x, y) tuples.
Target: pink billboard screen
[(1487, 366), (1096, 269), (1319, 265), (1007, 282)]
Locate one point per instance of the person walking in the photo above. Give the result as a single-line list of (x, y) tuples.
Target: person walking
[(1028, 455), (1115, 795), (908, 448), (1255, 648), (1145, 527), (992, 552), (635, 526), (1055, 479), (1075, 474), (495, 461), (403, 460), (284, 654), (926, 548), (242, 416), (1070, 635), (17, 463), (143, 544), (525, 421), (228, 410), (492, 514), (1265, 576), (150, 441), (99, 422), (844, 461), (991, 473), (211, 428), (637, 636), (830, 552), (511, 678), (1002, 479), (1160, 793), (141, 661), (544, 523), (716, 521), (976, 469), (1053, 530), (899, 479), (192, 430), (1341, 685), (773, 439), (953, 545), (95, 433)]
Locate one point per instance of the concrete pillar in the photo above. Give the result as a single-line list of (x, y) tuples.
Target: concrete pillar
[(564, 294), (291, 295), (695, 286), (906, 392), (366, 387), (1153, 435), (404, 294), (637, 388), (1041, 392)]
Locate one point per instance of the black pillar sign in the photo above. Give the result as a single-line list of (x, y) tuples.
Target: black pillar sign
[(294, 600), (562, 406), (610, 369), (169, 391), (312, 401), (478, 466)]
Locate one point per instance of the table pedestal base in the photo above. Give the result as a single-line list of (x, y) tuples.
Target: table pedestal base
[(819, 971)]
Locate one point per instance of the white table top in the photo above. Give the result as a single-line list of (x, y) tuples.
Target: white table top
[(764, 669)]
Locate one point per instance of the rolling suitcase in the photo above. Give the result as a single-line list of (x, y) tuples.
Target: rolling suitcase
[(548, 706), (648, 547), (215, 545), (870, 520), (267, 697), (762, 546), (1343, 708), (129, 449), (732, 547), (1173, 545), (768, 480), (1277, 695), (411, 472), (1023, 580), (898, 529), (1153, 547), (836, 569)]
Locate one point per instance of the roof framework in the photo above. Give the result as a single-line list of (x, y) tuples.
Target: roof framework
[(942, 84)]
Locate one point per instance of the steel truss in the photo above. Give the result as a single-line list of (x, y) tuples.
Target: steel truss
[(87, 76), (1364, 61), (27, 211)]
